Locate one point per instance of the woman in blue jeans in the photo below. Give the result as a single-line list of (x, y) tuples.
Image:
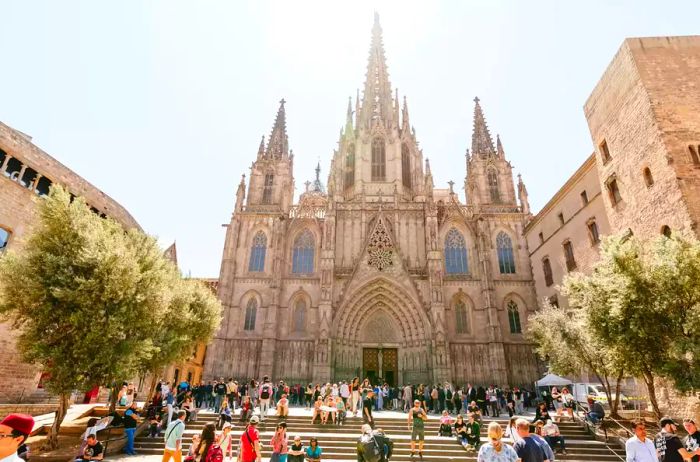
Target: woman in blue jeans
[(131, 419)]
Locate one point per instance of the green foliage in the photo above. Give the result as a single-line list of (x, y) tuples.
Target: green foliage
[(642, 305), (94, 304)]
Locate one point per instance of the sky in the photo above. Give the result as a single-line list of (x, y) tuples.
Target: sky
[(161, 104)]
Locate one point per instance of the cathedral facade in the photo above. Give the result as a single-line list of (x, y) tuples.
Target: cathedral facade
[(379, 275)]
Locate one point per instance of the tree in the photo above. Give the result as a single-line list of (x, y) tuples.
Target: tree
[(641, 302), (563, 338), (193, 315), (85, 296)]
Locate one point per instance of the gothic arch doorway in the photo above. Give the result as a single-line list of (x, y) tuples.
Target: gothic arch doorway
[(380, 332)]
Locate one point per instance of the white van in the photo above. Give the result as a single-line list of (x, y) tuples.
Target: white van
[(582, 391)]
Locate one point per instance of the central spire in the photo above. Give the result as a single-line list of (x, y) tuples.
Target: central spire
[(277, 146), (376, 101), (482, 143)]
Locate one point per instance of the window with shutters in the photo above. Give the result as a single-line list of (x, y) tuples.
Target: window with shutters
[(547, 270), (569, 256)]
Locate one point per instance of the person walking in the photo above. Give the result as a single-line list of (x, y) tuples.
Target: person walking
[(495, 450), (527, 448), (173, 438), (367, 409), (639, 448), (265, 393), (416, 423), (131, 420)]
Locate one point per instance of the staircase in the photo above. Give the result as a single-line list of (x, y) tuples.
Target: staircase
[(339, 442)]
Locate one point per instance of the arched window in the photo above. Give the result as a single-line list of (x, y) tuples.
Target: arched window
[(251, 311), (257, 252), (378, 160), (406, 165), (461, 317), (267, 189), (492, 178), (514, 318), (504, 246), (303, 253), (4, 238), (350, 166), (300, 316), (456, 261)]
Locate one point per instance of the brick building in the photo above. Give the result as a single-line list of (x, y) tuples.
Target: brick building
[(26, 173), (382, 274)]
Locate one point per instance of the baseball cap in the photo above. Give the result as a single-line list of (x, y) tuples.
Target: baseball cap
[(254, 420), (665, 420)]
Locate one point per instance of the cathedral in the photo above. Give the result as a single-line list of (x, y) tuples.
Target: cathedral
[(379, 274)]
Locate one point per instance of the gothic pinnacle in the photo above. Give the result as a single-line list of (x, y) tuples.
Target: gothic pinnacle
[(499, 147), (376, 102), (261, 148), (348, 118), (482, 143), (277, 145)]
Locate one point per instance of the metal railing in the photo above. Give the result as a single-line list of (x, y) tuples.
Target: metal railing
[(581, 414)]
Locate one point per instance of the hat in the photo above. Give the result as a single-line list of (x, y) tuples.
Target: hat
[(23, 423), (226, 425), (254, 420), (665, 420)]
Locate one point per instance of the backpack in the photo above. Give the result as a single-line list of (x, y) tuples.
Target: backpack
[(371, 451), (215, 454), (265, 393)]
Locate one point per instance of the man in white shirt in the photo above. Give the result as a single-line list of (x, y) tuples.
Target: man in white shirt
[(639, 448), (344, 392), (553, 437)]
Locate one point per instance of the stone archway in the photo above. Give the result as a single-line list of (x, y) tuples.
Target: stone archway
[(382, 315)]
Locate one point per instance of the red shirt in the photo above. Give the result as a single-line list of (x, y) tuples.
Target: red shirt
[(248, 444)]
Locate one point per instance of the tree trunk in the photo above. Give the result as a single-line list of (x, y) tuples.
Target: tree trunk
[(64, 401), (649, 381), (605, 381), (152, 387), (113, 398), (616, 404)]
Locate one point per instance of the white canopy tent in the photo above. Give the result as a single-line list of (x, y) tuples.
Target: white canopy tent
[(552, 380)]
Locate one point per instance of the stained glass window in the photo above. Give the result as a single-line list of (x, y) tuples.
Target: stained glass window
[(251, 312), (504, 246), (303, 253), (514, 318), (257, 252), (456, 261)]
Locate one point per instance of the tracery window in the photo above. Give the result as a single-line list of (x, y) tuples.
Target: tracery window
[(350, 166), (300, 316), (257, 252), (406, 165), (461, 317), (303, 253), (251, 312), (267, 189), (504, 246), (378, 160), (492, 178), (456, 261), (514, 318)]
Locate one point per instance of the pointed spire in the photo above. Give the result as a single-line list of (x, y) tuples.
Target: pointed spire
[(348, 119), (357, 109), (317, 185), (499, 147), (240, 194), (261, 148), (278, 147), (396, 107), (405, 122), (376, 101), (482, 143)]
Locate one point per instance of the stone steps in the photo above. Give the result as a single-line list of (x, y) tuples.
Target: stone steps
[(339, 442)]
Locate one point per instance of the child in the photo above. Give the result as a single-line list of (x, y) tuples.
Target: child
[(194, 447), (445, 424)]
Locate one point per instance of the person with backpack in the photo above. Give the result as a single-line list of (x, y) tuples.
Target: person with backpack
[(250, 442), (173, 438), (265, 393), (373, 446)]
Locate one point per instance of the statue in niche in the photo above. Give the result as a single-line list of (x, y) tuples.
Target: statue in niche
[(380, 358)]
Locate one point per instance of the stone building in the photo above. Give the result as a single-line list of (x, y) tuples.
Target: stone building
[(382, 274), (565, 235), (26, 173), (644, 176)]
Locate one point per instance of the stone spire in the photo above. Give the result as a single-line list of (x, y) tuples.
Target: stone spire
[(405, 122), (482, 143), (522, 196), (376, 100), (318, 187), (499, 147), (240, 195), (278, 146), (348, 119), (261, 148)]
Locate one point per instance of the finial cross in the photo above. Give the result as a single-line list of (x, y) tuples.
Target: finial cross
[(451, 183)]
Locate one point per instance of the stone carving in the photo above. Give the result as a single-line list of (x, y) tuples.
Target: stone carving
[(380, 248)]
